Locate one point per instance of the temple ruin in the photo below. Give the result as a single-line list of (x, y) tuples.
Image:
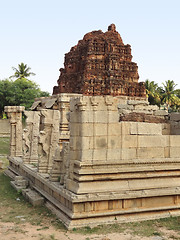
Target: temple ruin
[(96, 152), (100, 64)]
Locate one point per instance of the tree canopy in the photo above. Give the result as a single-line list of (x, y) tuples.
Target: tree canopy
[(166, 94), (20, 92), (23, 71)]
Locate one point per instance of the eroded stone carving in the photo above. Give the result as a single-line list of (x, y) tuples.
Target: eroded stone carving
[(15, 115), (48, 139), (30, 136), (100, 64)]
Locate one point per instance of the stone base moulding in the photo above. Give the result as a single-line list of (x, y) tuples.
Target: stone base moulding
[(77, 210)]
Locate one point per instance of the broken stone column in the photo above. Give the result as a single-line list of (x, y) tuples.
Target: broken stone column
[(60, 163), (15, 115), (64, 106), (48, 139), (30, 137)]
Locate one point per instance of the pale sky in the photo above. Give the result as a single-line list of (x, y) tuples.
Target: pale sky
[(40, 32)]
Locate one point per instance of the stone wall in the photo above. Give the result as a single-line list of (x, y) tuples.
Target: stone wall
[(111, 167), (175, 123)]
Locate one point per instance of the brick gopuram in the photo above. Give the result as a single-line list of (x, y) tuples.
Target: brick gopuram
[(97, 159), (100, 64)]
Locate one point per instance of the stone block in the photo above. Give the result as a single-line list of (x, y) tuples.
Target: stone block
[(113, 117), (78, 207), (150, 152), (114, 154), (72, 143), (114, 142), (137, 102), (86, 155), (99, 154), (166, 129), (101, 117), (129, 153), (72, 105), (174, 140), (117, 204), (84, 143), (125, 106), (87, 129), (126, 127), (174, 116), (152, 107), (175, 128), (132, 203), (17, 187), (153, 141), (100, 206), (158, 201), (74, 117), (129, 141), (89, 206), (122, 111), (142, 111), (166, 152), (100, 129), (20, 181), (160, 113), (174, 152), (149, 129), (133, 128), (100, 142), (86, 117), (74, 129), (114, 129), (33, 197)]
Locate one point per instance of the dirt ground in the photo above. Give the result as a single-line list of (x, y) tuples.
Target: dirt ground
[(26, 231), (10, 231)]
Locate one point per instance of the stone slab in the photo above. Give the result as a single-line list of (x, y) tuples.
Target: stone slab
[(175, 116), (16, 187), (33, 197)]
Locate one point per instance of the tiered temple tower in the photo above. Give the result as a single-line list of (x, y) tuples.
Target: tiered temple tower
[(100, 64)]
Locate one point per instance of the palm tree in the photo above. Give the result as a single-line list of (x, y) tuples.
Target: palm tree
[(169, 94), (23, 71), (153, 92)]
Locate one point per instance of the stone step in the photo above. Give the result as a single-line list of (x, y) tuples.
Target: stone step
[(10, 174), (33, 197)]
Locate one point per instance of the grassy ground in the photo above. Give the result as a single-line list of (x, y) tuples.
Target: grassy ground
[(4, 145), (14, 208)]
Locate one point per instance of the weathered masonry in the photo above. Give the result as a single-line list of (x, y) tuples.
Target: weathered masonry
[(97, 158)]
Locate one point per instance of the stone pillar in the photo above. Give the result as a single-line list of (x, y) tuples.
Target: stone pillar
[(48, 139), (30, 137), (60, 166), (95, 141), (64, 106), (15, 116)]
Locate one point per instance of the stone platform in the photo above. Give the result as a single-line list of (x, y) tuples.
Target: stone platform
[(147, 190), (107, 170)]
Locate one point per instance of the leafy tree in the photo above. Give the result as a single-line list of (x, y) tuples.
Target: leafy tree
[(20, 92), (169, 94), (23, 71), (153, 92)]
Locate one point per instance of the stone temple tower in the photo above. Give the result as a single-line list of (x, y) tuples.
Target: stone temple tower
[(100, 64)]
